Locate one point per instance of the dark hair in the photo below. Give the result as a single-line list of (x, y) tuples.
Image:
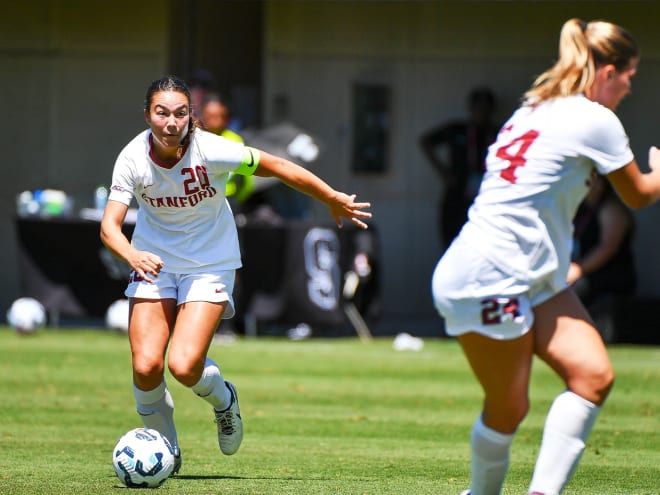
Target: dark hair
[(166, 83), (172, 83), (202, 78), (214, 98)]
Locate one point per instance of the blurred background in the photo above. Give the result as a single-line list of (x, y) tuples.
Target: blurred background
[(364, 77)]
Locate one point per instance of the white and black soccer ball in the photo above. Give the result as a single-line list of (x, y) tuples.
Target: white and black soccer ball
[(26, 315), (143, 458), (116, 316)]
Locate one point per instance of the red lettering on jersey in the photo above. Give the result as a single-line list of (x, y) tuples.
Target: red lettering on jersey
[(181, 201), (516, 159), (196, 175)]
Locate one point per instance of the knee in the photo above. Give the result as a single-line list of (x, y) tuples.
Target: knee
[(602, 381), (505, 415), (518, 411), (146, 368), (595, 383), (185, 371)]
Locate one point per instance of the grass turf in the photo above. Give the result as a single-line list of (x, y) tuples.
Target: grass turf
[(322, 416)]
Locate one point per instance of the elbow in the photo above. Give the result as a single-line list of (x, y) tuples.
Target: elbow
[(104, 234), (635, 203), (639, 201), (638, 198)]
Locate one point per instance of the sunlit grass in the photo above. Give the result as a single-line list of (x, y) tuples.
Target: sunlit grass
[(322, 416)]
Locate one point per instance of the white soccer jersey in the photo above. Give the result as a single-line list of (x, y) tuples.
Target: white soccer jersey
[(183, 214), (537, 172)]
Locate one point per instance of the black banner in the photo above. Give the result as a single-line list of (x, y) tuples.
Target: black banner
[(293, 272)]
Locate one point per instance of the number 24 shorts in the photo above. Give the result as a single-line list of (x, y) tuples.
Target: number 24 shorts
[(474, 295)]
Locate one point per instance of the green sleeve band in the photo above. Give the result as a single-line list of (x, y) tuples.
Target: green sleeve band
[(250, 162)]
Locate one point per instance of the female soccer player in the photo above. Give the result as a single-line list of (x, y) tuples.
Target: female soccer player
[(501, 286), (184, 251)]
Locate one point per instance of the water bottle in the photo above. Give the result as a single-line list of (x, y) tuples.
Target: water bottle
[(52, 202), (100, 197), (26, 205)]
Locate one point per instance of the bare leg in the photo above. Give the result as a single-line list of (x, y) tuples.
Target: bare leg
[(567, 340), (503, 369), (195, 327), (150, 327)]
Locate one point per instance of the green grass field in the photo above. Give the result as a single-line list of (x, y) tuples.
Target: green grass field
[(321, 416)]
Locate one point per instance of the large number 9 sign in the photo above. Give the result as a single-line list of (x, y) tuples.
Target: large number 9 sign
[(321, 253)]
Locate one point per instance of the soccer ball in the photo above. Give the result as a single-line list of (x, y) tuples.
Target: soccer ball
[(143, 458), (26, 315), (116, 316)]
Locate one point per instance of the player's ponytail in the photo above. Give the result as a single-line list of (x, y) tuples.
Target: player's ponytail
[(583, 47)]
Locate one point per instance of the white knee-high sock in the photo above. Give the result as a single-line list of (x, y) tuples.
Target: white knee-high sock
[(156, 408), (567, 427), (211, 387), (490, 459)]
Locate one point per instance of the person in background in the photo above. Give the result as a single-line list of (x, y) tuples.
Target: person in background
[(215, 118), (502, 284), (184, 252), (200, 83), (603, 264), (457, 150)]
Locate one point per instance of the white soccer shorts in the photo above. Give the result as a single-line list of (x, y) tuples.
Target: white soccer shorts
[(474, 295), (209, 287)]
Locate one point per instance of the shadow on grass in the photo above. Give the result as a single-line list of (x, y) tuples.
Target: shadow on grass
[(278, 478)]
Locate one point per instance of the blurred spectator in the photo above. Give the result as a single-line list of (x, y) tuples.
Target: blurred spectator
[(215, 117), (200, 83), (457, 150), (603, 263)]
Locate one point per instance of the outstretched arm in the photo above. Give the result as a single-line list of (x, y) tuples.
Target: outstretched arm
[(635, 188), (340, 204)]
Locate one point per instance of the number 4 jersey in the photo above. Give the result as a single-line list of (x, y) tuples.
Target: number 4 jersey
[(537, 173), (183, 214)]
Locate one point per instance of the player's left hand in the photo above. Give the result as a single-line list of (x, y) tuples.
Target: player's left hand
[(344, 205)]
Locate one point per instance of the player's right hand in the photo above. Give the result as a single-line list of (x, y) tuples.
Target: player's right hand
[(146, 264)]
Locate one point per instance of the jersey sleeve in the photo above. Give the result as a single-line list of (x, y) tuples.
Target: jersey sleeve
[(123, 180), (224, 155), (606, 142)]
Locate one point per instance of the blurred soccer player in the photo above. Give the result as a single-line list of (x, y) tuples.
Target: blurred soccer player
[(502, 286)]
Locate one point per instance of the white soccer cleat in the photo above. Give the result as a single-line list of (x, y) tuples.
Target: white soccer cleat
[(230, 424), (465, 492)]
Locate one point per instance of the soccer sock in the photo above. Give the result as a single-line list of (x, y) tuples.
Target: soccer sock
[(211, 387), (490, 459), (567, 427), (156, 408)]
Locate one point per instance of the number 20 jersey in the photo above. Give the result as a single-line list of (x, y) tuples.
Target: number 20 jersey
[(183, 214), (537, 173)]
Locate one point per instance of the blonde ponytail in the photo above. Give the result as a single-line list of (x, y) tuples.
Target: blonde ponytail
[(583, 47)]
